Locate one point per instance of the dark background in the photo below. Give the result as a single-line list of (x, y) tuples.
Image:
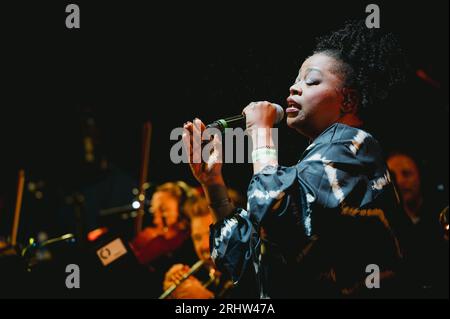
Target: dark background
[(132, 62)]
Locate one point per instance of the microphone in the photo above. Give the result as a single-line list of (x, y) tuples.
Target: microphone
[(239, 120)]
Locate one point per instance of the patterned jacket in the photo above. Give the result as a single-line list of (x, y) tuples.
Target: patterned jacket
[(318, 228)]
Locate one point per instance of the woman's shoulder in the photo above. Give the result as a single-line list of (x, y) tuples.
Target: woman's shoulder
[(340, 142), (342, 133)]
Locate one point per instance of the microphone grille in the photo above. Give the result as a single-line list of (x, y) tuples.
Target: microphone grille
[(280, 113)]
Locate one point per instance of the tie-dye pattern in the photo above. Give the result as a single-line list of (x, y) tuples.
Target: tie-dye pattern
[(343, 167)]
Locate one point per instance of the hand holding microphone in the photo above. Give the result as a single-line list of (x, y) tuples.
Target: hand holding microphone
[(256, 115), (260, 118), (261, 114)]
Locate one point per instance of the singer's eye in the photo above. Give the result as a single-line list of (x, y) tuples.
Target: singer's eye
[(312, 82)]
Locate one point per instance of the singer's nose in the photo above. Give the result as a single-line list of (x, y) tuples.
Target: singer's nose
[(295, 89)]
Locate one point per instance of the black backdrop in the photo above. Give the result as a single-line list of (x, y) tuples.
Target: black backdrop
[(165, 62)]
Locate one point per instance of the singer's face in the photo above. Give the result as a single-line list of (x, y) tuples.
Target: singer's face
[(164, 207), (316, 96)]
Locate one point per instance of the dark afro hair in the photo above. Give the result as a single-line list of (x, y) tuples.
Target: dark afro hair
[(373, 62)]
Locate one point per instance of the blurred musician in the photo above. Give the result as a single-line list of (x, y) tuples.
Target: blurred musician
[(207, 283), (167, 241), (426, 252)]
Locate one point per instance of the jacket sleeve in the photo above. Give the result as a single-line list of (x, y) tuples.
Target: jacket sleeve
[(235, 241)]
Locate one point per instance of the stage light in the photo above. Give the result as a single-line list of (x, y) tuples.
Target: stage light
[(136, 205)]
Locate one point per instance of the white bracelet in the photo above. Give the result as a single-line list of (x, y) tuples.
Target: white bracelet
[(264, 155)]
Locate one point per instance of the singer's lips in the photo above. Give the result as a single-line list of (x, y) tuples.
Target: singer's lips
[(292, 109), (293, 106)]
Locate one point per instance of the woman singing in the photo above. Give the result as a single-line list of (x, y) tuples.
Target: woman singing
[(328, 220)]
